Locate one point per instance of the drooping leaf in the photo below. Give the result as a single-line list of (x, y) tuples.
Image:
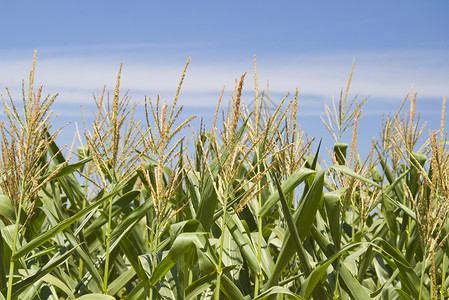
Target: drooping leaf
[(287, 186), (52, 280), (407, 275), (332, 204), (346, 170), (319, 272), (183, 243), (347, 279), (209, 197), (6, 208), (303, 218), (96, 297), (66, 170), (45, 236), (276, 290), (53, 263)]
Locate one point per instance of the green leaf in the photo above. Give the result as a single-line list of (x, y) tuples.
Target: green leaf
[(203, 283), (6, 208), (346, 170), (319, 272), (347, 279), (155, 163), (231, 254), (58, 283), (132, 254), (230, 289), (340, 152), (96, 297), (137, 214), (244, 244), (403, 294), (303, 217), (207, 261), (407, 275), (183, 243), (115, 286), (396, 203), (417, 161), (3, 251), (267, 257), (365, 262), (86, 258), (53, 263), (118, 206), (167, 287), (137, 293), (287, 186), (276, 290), (66, 170), (389, 215), (47, 235), (390, 177), (332, 204), (293, 230), (209, 198)]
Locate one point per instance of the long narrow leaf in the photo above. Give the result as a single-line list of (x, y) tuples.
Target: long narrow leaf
[(45, 236), (287, 186), (303, 217)]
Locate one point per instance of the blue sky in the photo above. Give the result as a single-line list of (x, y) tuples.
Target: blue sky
[(308, 45)]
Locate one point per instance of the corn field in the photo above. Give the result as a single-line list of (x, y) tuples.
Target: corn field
[(248, 207)]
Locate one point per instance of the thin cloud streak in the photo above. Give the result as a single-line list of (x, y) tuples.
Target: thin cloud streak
[(383, 75)]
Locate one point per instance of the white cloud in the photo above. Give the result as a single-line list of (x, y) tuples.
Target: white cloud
[(383, 75)]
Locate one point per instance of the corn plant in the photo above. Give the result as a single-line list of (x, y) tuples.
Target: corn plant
[(243, 208)]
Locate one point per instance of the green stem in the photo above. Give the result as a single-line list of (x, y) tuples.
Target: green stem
[(219, 271), (108, 242), (423, 268), (353, 222), (154, 244), (11, 265), (259, 253), (443, 276), (259, 238), (81, 265), (14, 244)]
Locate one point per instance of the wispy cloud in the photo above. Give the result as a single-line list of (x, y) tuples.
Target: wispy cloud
[(383, 75)]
